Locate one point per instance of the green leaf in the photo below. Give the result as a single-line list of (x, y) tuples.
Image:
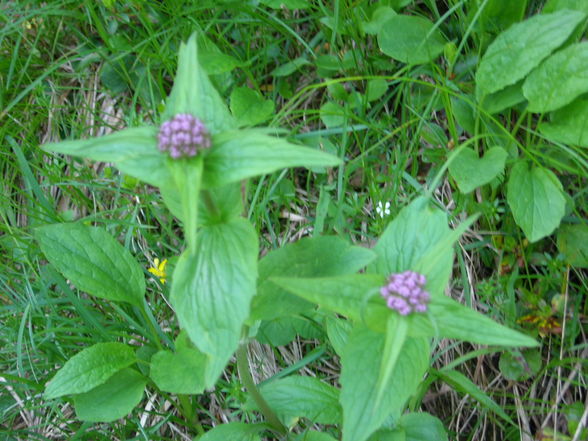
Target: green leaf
[(249, 107), (338, 330), (134, 151), (290, 67), (572, 242), (376, 88), (297, 397), (498, 14), (519, 49), (234, 432), (569, 125), (422, 426), (556, 5), (536, 199), (181, 372), (212, 290), (111, 400), (332, 114), (505, 98), (465, 386), (471, 172), (290, 4), (215, 63), (242, 154), (319, 256), (93, 261), (311, 435), (520, 366), (412, 40), (379, 18), (90, 368), (558, 80), (418, 239), (361, 365), (283, 330), (193, 92)]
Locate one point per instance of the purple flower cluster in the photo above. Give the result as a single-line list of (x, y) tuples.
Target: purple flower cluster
[(405, 292), (183, 136)]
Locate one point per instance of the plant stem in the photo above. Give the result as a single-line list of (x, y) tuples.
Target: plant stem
[(247, 380), (209, 202), (188, 412)]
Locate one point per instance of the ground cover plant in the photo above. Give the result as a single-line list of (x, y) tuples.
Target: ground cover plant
[(294, 220)]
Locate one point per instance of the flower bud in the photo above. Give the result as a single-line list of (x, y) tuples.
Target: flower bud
[(405, 292), (183, 136)]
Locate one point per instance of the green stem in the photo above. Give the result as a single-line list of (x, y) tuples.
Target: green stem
[(146, 317), (209, 203), (188, 412), (247, 380)]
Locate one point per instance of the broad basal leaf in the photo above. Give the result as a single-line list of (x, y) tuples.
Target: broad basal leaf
[(182, 371), (234, 432), (90, 368), (361, 363), (93, 261), (111, 400), (297, 397), (471, 171), (319, 256), (536, 199), (193, 92), (422, 426), (212, 290), (242, 154), (558, 80), (569, 125), (519, 49), (134, 151), (412, 40)]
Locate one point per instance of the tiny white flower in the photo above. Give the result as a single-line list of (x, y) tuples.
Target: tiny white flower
[(383, 209)]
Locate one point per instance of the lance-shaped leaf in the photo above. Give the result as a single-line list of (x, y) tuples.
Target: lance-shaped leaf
[(194, 93), (360, 380), (90, 368), (93, 261), (519, 49), (113, 399), (134, 152), (309, 257), (237, 155), (536, 199), (212, 290)]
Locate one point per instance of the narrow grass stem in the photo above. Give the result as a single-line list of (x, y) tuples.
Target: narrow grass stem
[(151, 326), (247, 379), (189, 414)]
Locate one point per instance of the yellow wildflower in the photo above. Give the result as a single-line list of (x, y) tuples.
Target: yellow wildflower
[(159, 269)]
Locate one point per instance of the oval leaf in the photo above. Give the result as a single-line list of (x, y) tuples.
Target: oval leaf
[(569, 125), (93, 261), (572, 242), (113, 399), (90, 368), (518, 50), (536, 199), (471, 171), (558, 80), (412, 40)]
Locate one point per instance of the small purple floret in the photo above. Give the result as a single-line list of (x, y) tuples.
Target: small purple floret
[(183, 136), (405, 292)]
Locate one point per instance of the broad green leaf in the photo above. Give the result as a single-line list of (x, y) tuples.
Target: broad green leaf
[(193, 92), (134, 151), (297, 397), (212, 290), (411, 242), (422, 426), (465, 386), (111, 400), (242, 154), (290, 67), (332, 114), (556, 5), (503, 99), (498, 15), (311, 435), (569, 125), (376, 88), (361, 363), (572, 242), (520, 365), (558, 80), (412, 40), (536, 199), (234, 432), (338, 330), (215, 63), (93, 261), (283, 330), (90, 368), (378, 20), (399, 4), (249, 107), (181, 372), (519, 49), (471, 171), (449, 319), (320, 256), (290, 4)]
